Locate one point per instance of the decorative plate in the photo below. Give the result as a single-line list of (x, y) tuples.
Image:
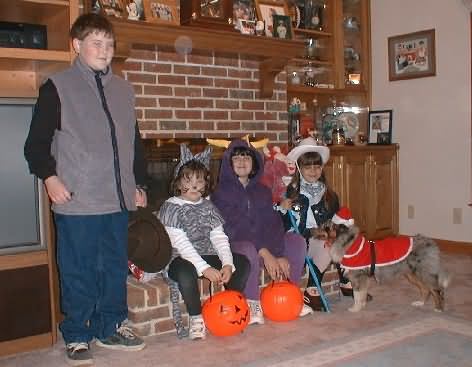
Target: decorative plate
[(350, 124)]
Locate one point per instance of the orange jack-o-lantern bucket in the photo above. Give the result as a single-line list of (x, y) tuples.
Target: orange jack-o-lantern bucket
[(226, 313), (281, 301)]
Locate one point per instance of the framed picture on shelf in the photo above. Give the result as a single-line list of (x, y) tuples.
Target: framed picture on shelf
[(161, 11), (266, 9), (380, 127), (246, 26), (113, 8), (282, 26), (243, 9), (135, 9), (412, 55)]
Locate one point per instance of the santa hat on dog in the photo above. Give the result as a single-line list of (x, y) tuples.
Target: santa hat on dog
[(343, 216)]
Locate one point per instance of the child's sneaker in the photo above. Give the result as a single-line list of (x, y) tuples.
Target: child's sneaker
[(197, 328), (122, 339), (312, 299), (256, 315), (306, 310), (78, 354)]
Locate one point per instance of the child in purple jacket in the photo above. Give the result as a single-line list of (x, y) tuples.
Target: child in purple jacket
[(253, 227)]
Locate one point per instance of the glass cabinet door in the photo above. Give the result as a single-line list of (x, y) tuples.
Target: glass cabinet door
[(355, 31)]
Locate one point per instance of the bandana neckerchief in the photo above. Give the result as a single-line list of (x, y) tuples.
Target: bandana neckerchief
[(313, 191)]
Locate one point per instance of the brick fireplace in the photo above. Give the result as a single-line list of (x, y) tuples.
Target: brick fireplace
[(203, 93)]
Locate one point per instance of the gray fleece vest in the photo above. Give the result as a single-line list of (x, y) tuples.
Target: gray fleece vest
[(83, 147)]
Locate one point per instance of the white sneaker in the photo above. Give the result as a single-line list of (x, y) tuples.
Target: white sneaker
[(197, 329), (306, 310), (256, 315)]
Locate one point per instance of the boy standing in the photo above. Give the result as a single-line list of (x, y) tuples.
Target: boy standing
[(84, 144)]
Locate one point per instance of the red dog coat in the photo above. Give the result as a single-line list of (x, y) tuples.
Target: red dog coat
[(387, 252)]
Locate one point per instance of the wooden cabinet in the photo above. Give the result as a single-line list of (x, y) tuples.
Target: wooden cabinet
[(366, 180), (23, 70)]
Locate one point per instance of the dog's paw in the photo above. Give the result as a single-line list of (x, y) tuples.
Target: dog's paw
[(417, 304)]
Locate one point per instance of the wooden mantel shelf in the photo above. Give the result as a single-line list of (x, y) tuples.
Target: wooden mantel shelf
[(273, 53)]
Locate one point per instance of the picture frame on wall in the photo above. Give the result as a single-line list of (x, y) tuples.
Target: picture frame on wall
[(266, 9), (282, 26), (161, 11), (412, 55), (380, 127), (113, 8)]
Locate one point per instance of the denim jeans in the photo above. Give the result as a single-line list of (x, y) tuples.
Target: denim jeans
[(92, 254)]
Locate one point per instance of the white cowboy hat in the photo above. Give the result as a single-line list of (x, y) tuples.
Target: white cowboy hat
[(309, 145)]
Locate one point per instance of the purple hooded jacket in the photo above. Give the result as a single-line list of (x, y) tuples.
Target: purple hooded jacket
[(248, 211)]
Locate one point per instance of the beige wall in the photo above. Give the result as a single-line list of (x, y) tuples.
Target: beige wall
[(431, 116)]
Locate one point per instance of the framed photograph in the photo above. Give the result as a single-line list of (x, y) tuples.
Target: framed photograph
[(282, 26), (266, 9), (246, 26), (380, 127), (135, 9), (112, 8), (412, 55), (161, 11), (243, 9)]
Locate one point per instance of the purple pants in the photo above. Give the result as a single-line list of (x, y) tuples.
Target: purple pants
[(294, 251)]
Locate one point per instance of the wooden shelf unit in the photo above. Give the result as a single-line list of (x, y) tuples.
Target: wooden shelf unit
[(23, 70)]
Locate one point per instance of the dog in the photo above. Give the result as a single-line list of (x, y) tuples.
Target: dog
[(419, 261)]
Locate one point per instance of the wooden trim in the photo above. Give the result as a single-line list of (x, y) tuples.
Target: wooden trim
[(23, 260), (26, 344), (454, 247)]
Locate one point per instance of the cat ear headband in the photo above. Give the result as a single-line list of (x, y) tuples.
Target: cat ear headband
[(187, 156)]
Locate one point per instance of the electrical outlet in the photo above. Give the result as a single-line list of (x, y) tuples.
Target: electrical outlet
[(411, 211), (456, 215)]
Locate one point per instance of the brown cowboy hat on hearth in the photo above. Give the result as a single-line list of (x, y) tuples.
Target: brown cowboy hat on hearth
[(149, 245)]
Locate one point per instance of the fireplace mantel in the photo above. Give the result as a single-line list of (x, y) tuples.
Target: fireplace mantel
[(273, 53)]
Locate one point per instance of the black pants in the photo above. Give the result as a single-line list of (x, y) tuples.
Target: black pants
[(185, 274)]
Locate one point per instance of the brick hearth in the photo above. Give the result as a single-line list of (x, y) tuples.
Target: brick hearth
[(150, 310)]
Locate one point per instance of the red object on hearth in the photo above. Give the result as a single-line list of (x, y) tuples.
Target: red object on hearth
[(226, 313), (281, 301)]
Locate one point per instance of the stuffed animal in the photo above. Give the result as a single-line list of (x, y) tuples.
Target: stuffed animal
[(278, 172)]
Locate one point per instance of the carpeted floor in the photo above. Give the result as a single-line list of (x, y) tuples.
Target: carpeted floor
[(389, 332)]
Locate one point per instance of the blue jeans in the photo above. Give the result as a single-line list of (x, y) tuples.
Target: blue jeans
[(92, 257)]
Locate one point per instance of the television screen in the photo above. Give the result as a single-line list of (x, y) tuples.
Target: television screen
[(22, 218)]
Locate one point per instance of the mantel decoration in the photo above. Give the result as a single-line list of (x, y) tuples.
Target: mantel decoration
[(380, 127), (112, 8), (161, 11), (266, 9), (216, 14), (412, 55)]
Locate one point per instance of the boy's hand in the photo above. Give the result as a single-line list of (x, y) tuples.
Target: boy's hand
[(57, 192), (212, 275), (141, 198), (226, 272)]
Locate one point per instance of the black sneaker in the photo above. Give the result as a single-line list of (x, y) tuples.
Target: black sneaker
[(313, 301), (122, 339), (78, 354)]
